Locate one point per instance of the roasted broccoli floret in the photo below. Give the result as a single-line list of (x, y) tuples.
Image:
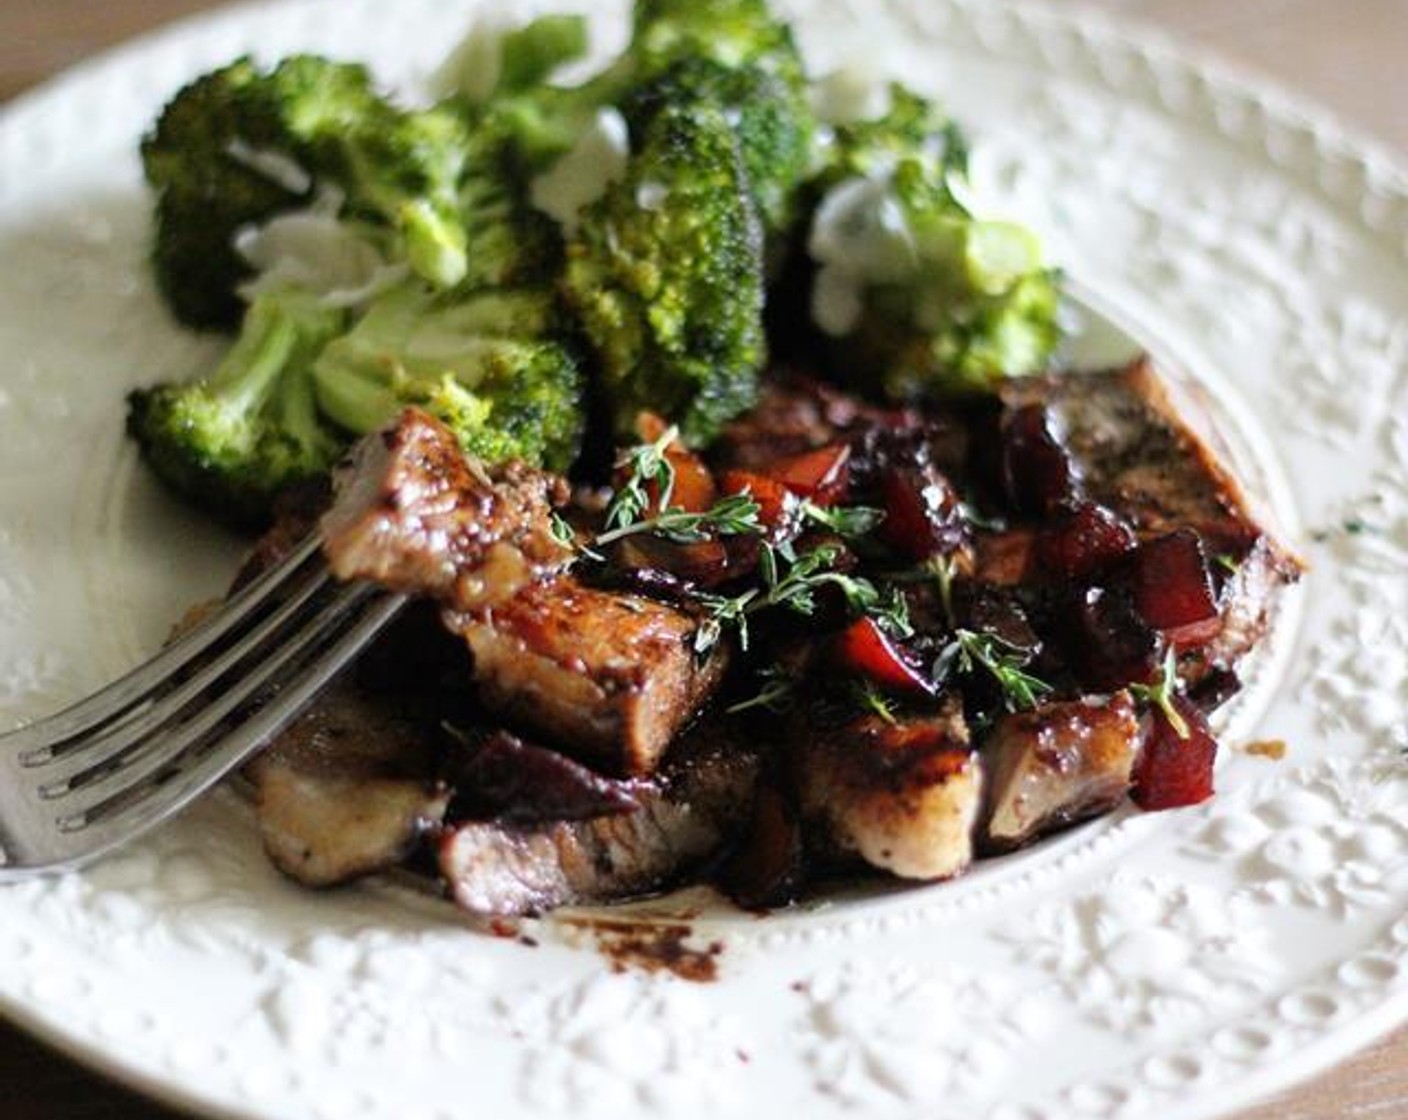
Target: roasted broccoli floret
[(913, 295), (494, 366), (732, 33), (771, 118), (240, 145), (236, 439), (666, 275), (736, 54)]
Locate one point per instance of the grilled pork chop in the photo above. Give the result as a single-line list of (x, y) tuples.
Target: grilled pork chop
[(1058, 764), (1137, 454), (610, 675)]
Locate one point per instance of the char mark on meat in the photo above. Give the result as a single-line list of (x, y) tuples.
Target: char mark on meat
[(901, 795)]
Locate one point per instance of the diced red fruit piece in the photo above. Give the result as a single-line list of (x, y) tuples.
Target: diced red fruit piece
[(777, 505), (1037, 471), (863, 648), (823, 475), (1172, 588), (694, 490), (1173, 771), (1108, 643), (923, 513), (1082, 541)]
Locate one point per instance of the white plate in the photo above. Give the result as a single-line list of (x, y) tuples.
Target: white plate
[(1175, 965)]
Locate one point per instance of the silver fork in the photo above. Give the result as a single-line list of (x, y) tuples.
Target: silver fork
[(92, 777)]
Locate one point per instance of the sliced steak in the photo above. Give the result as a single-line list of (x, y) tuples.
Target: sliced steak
[(903, 796), (695, 806), (411, 511), (610, 677), (1056, 765), (346, 790)]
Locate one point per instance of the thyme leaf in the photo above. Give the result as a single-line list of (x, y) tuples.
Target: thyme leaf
[(1161, 694), (1003, 661), (644, 465), (868, 697), (846, 521), (775, 692), (733, 516)]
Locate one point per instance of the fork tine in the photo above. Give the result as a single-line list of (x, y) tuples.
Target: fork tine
[(104, 745), (162, 801), (171, 731), (109, 703)]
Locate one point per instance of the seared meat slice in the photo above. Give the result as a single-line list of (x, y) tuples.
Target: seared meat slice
[(413, 512), (610, 676), (1056, 765), (902, 796), (498, 776), (346, 790), (1137, 453), (694, 807), (796, 414)]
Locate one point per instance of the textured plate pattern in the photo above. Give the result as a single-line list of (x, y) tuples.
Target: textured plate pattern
[(1172, 965)]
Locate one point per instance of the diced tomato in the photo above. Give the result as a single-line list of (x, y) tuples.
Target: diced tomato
[(1172, 588), (1081, 541), (1173, 771), (823, 475), (865, 649), (923, 513)]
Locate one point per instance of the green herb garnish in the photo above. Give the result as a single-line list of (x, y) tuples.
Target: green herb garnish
[(1005, 662), (1161, 693)]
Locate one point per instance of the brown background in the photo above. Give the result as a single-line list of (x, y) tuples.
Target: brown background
[(1349, 55)]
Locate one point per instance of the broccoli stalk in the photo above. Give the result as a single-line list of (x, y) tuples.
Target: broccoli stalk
[(490, 365), (236, 439)]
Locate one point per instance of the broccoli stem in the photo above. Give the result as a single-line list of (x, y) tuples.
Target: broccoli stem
[(250, 372), (532, 52)]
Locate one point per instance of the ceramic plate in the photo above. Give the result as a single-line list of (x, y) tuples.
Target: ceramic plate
[(1176, 965)]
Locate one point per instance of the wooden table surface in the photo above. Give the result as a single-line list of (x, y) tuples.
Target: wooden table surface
[(1349, 55)]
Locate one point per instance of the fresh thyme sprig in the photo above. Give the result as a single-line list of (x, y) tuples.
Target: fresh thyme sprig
[(645, 465), (775, 692), (846, 521), (736, 515), (943, 569), (870, 698), (790, 582), (1161, 694), (1005, 662)]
